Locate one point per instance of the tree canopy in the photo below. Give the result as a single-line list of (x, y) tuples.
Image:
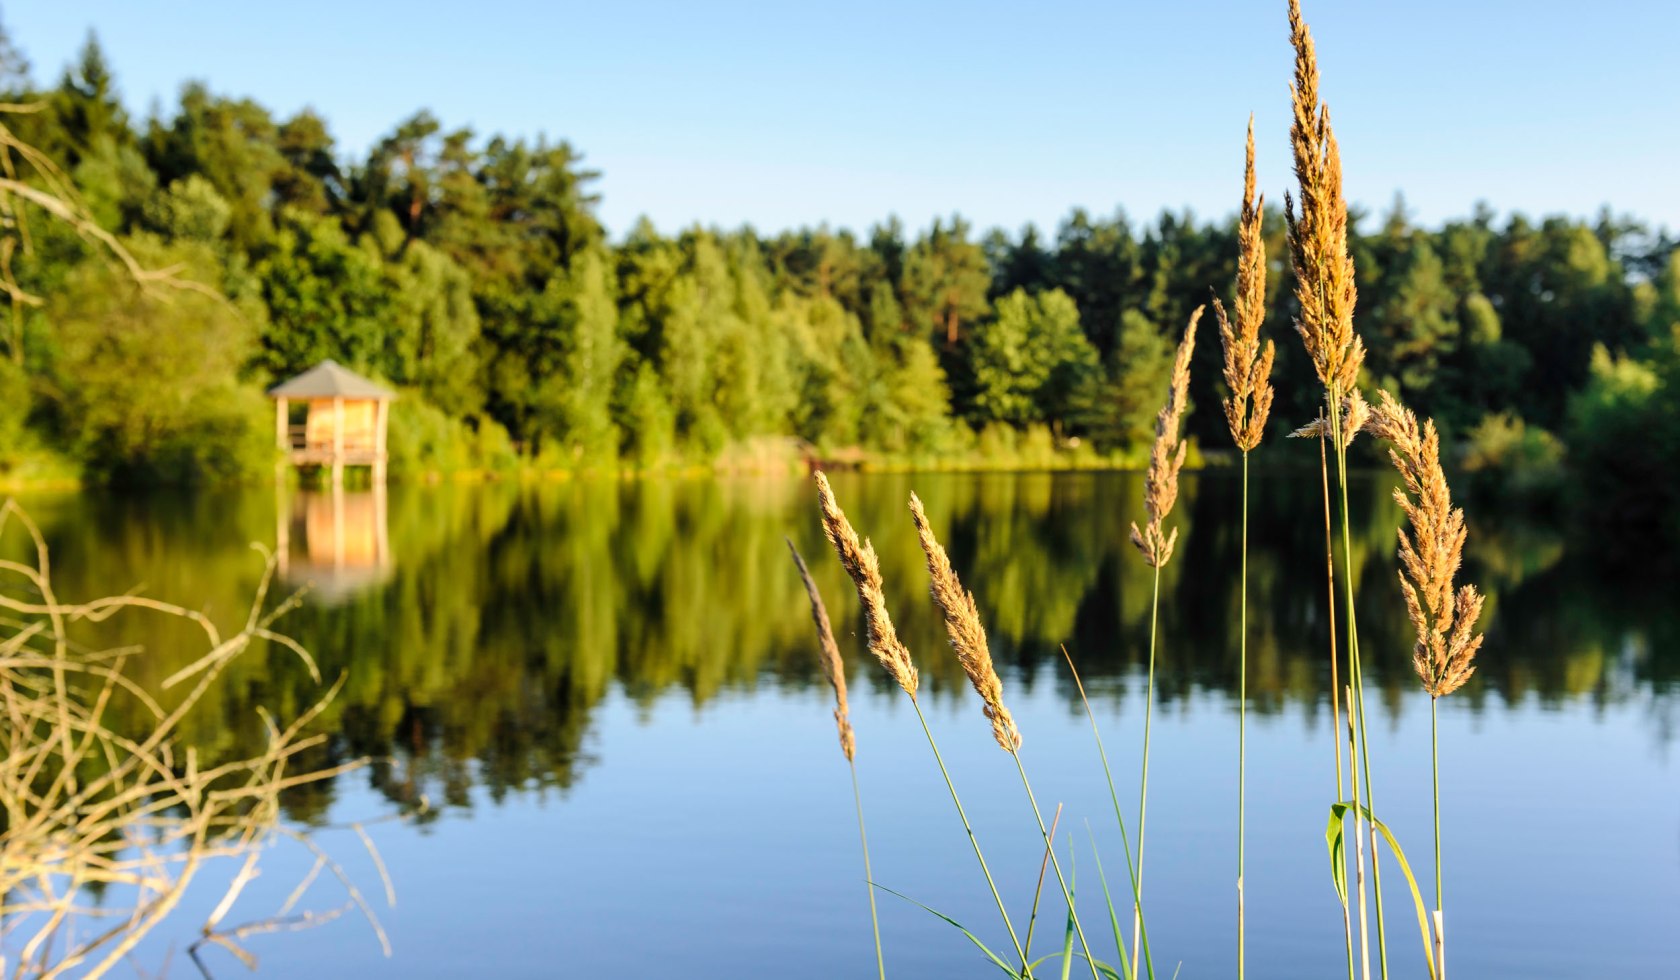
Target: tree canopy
[(472, 272)]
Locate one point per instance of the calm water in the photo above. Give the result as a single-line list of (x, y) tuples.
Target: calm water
[(606, 697)]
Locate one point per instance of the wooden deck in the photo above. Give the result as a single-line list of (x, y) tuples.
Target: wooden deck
[(304, 452)]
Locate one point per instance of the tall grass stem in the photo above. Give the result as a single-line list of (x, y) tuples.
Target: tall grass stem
[(1119, 819), (869, 875), (1356, 702), (1050, 848), (1242, 730), (1038, 888), (1143, 790), (1335, 684), (1435, 774), (973, 840), (1357, 675)]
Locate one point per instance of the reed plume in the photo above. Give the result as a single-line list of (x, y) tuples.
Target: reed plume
[(1356, 411), (1430, 556), (1318, 247), (1248, 364), (859, 560), (828, 655), (1443, 619), (1160, 492), (833, 668), (968, 636), (1248, 369), (1166, 457), (1325, 292)]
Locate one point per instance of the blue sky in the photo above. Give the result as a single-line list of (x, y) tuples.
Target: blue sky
[(783, 114)]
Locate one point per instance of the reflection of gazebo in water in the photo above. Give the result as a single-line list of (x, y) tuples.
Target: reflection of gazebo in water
[(342, 422), (342, 542)]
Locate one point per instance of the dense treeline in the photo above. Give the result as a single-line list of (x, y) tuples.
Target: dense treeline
[(472, 272)]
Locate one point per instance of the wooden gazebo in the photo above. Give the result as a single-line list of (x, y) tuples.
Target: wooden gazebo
[(343, 421)]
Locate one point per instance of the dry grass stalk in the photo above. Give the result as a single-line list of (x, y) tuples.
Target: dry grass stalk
[(859, 560), (1430, 556), (1166, 457), (89, 804), (1356, 412), (29, 177), (1248, 365), (968, 636), (828, 654), (1318, 243)]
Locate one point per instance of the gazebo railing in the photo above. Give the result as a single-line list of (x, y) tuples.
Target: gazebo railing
[(297, 438)]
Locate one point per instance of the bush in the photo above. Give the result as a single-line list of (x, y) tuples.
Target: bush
[(1507, 457), (1624, 451), (424, 441), (15, 399), (145, 383)]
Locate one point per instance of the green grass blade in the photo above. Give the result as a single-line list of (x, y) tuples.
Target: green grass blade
[(1067, 938), (1114, 798), (1108, 972), (1337, 811), (1005, 967), (1333, 836), (1108, 899)]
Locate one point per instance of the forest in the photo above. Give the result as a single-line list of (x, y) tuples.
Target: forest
[(471, 273)]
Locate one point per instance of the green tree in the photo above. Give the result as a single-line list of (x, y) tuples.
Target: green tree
[(1119, 410), (309, 178), (1029, 359), (576, 398), (87, 108), (232, 143), (945, 281), (432, 330), (325, 298), (148, 386)]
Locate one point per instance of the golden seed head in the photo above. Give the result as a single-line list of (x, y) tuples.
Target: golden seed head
[(962, 625), (1443, 619), (1166, 457), (860, 562), (828, 654), (1356, 414), (1248, 365), (1318, 245)]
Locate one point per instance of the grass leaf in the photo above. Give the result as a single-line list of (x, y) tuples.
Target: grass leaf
[(1113, 917), (1067, 939), (1005, 967), (1337, 813)]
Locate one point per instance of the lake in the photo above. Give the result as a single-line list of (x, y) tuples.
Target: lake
[(601, 745)]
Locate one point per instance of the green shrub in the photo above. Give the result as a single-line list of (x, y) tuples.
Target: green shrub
[(422, 441), (1504, 455), (15, 400), (1624, 451)]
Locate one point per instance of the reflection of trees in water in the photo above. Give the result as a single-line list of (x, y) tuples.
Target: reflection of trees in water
[(513, 611)]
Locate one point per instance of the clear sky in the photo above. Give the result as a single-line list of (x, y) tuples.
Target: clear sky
[(786, 113)]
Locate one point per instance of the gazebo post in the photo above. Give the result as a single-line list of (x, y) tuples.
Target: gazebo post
[(282, 432), (338, 443), (381, 414)]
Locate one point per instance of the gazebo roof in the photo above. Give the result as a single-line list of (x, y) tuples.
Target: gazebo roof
[(329, 379)]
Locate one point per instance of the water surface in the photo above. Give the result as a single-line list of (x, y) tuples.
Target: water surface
[(604, 749)]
